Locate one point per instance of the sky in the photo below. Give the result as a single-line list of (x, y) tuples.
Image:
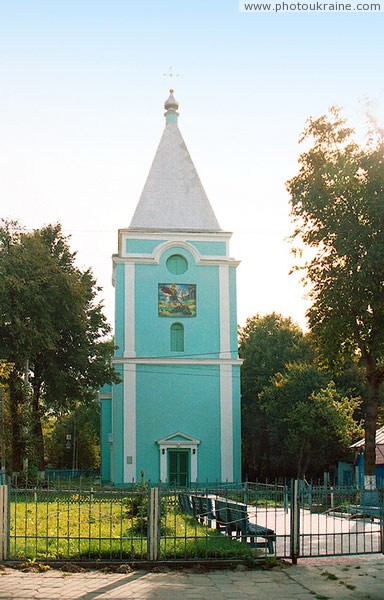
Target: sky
[(82, 89)]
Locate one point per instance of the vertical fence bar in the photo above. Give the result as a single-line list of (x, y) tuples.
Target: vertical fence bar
[(381, 505), (153, 524), (3, 522), (295, 521)]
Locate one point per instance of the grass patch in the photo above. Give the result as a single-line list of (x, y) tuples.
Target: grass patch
[(110, 526), (184, 537), (330, 576)]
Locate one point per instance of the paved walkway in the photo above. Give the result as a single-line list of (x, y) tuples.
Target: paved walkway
[(337, 578)]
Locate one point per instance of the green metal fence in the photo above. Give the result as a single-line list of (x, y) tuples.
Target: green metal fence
[(78, 524), (190, 528), (204, 522), (339, 520)]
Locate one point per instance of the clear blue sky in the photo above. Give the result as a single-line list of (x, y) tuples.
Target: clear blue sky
[(81, 114)]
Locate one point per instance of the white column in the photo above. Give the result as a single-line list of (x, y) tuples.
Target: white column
[(225, 378), (129, 423), (224, 312), (163, 463), (193, 464), (129, 310), (226, 422)]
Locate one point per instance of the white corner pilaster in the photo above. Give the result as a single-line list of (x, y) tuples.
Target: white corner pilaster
[(129, 310), (129, 423), (226, 422), (224, 312)]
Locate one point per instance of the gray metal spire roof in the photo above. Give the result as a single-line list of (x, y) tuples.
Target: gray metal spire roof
[(173, 196)]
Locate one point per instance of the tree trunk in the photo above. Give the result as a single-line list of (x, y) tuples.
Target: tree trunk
[(37, 430), (18, 442)]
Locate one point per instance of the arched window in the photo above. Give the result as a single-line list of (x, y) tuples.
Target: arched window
[(177, 337)]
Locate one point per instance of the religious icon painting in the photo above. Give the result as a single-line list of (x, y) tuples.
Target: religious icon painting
[(177, 300)]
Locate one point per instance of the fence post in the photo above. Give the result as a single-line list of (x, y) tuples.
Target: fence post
[(153, 524), (295, 521), (381, 504), (3, 522)]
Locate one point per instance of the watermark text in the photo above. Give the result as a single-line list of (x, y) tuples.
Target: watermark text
[(254, 7)]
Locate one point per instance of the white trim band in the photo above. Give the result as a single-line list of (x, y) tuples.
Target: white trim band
[(178, 361), (129, 310), (226, 423), (129, 424)]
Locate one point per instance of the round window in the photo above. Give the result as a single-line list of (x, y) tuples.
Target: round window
[(177, 264)]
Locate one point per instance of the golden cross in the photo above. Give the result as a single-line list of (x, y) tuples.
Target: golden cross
[(171, 73)]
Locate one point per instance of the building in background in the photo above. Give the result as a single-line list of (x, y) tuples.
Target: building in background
[(359, 462)]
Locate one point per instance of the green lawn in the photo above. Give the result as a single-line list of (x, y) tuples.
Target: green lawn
[(74, 526)]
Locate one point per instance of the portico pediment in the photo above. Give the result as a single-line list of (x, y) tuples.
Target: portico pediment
[(178, 438)]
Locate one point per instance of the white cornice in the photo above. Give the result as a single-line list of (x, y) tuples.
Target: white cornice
[(184, 240), (177, 361), (149, 259), (182, 234)]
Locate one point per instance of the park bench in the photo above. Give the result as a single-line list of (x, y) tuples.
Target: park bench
[(232, 517), (370, 505), (203, 509), (199, 507), (185, 503), (362, 511)]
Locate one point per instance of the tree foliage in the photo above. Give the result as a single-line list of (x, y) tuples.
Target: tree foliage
[(82, 450), (295, 420), (5, 371), (268, 344), (52, 329), (337, 204), (310, 425)]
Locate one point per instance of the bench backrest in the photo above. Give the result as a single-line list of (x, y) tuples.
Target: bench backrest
[(231, 515), (185, 504), (202, 506)]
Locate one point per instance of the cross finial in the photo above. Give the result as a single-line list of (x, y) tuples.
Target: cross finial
[(171, 73)]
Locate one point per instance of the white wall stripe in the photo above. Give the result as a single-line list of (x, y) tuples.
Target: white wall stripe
[(226, 423), (129, 314), (224, 309), (129, 423), (225, 379)]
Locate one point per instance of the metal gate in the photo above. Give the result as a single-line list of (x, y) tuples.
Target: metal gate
[(334, 521)]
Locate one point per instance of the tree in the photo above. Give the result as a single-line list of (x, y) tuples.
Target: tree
[(82, 450), (267, 345), (337, 205), (5, 371), (309, 423), (52, 329)]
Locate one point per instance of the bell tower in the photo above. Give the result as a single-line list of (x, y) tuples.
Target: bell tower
[(175, 416)]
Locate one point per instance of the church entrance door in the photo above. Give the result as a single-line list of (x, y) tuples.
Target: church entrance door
[(178, 467)]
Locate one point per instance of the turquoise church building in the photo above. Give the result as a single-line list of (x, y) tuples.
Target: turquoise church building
[(175, 415)]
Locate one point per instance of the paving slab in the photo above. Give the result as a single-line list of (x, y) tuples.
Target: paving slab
[(344, 578)]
